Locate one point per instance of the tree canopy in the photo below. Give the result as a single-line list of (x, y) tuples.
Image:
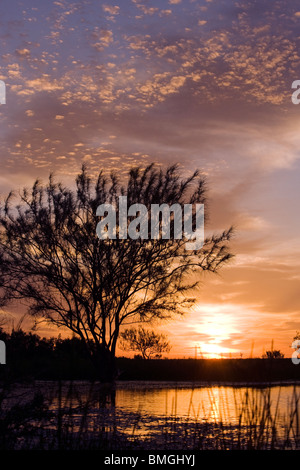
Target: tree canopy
[(147, 342), (52, 259)]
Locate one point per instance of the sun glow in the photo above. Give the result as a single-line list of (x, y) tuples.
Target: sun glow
[(217, 327), (212, 351)]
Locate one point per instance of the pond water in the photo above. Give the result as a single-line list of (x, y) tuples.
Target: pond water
[(202, 402), (171, 415)]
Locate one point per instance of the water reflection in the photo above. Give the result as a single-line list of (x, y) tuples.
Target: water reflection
[(215, 403), (165, 415)]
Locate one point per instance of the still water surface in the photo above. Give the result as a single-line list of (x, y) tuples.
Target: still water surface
[(148, 410), (209, 403)]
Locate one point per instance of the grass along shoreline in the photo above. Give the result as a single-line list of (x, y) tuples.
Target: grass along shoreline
[(69, 420)]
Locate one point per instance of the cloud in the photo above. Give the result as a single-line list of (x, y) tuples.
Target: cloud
[(113, 10), (22, 52), (103, 38), (165, 12), (131, 90), (44, 83), (148, 10)]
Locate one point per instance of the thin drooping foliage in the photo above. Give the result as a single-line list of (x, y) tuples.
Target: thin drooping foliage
[(52, 259)]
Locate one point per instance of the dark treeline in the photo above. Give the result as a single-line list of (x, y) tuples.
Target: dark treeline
[(28, 356)]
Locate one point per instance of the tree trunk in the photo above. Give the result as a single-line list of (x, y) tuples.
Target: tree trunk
[(105, 362)]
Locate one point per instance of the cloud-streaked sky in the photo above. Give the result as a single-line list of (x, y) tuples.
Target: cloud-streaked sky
[(203, 83)]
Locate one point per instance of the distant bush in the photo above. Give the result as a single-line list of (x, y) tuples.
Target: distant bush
[(146, 342), (275, 354)]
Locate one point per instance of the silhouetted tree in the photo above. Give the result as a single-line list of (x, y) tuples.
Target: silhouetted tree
[(273, 354), (51, 258), (148, 343), (297, 336)]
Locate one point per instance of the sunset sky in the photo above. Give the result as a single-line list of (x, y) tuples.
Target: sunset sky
[(206, 84)]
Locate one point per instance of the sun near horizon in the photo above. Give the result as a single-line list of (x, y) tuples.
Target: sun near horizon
[(205, 84)]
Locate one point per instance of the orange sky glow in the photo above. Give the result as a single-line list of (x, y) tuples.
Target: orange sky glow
[(206, 84)]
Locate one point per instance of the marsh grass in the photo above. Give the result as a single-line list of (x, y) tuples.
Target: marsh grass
[(62, 417)]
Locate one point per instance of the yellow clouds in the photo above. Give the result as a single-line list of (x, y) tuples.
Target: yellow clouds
[(217, 330), (206, 84)]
